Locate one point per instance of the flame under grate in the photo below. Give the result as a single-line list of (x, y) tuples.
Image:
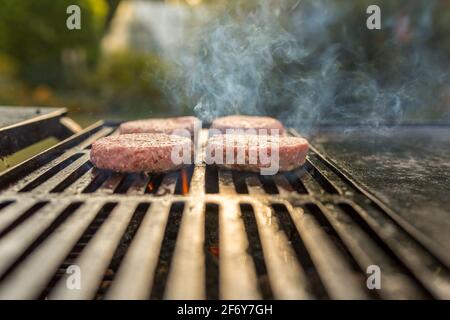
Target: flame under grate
[(201, 233)]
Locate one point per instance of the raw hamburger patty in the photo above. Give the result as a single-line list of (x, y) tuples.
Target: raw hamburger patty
[(149, 152), (292, 151), (247, 122), (159, 125)]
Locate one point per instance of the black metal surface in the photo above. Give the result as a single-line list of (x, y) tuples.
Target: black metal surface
[(23, 126), (310, 233), (408, 168)]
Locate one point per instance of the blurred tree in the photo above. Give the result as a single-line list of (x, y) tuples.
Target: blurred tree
[(129, 83), (34, 34), (113, 4)]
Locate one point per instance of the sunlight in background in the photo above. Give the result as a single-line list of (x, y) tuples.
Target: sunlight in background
[(181, 2), (193, 2), (141, 58)]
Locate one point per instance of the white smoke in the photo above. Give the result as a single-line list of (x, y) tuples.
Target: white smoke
[(299, 62)]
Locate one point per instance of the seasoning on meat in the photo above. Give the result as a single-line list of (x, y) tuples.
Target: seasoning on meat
[(265, 154), (185, 126), (236, 122)]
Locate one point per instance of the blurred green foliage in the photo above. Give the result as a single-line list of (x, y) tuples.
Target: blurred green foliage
[(33, 34), (127, 83), (44, 63)]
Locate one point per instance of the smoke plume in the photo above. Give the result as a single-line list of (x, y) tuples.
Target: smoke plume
[(306, 63)]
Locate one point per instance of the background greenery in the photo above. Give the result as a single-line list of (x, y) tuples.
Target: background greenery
[(42, 63)]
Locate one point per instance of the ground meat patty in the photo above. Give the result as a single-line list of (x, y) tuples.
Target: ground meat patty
[(159, 125), (247, 122), (149, 152), (254, 152)]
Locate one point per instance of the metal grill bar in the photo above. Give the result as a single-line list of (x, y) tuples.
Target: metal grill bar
[(29, 279), (311, 185), (95, 258), (138, 185), (287, 276), (17, 241), (60, 176), (110, 184), (43, 162), (285, 189), (187, 273), (13, 212), (238, 274), (310, 233), (41, 175), (254, 186), (136, 274), (424, 266), (327, 259), (21, 127), (168, 184), (226, 185), (366, 252), (81, 183)]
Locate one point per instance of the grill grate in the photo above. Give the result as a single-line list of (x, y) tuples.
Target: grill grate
[(201, 232)]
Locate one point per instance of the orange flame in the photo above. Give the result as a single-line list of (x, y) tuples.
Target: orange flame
[(214, 250), (184, 182), (150, 186)]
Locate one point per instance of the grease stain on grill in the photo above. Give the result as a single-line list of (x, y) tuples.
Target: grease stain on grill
[(126, 183), (111, 184), (327, 186), (212, 250), (239, 179), (100, 176), (50, 173), (167, 249), (268, 184), (296, 183), (74, 176), (255, 249), (135, 184), (287, 225)]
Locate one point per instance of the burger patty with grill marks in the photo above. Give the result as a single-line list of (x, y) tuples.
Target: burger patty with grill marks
[(147, 152), (176, 125), (289, 152), (236, 122)]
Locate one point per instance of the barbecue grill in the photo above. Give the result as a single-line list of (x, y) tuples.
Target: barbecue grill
[(202, 232)]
